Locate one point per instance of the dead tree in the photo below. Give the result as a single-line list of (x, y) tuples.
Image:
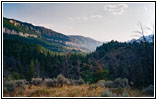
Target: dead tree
[(141, 32)]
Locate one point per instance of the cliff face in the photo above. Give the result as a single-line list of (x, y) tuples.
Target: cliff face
[(12, 26), (13, 32)]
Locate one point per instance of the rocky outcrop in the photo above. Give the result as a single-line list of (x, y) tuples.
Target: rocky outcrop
[(13, 32), (14, 22)]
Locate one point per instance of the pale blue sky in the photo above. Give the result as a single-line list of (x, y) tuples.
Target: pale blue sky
[(100, 21)]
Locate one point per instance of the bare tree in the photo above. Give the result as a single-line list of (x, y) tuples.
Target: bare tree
[(142, 30), (152, 31)]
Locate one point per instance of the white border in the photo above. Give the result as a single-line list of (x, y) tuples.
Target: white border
[(80, 1)]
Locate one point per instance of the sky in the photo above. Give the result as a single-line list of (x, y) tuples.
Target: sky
[(101, 21)]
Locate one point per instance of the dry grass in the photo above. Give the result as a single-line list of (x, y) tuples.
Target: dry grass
[(65, 91), (84, 90)]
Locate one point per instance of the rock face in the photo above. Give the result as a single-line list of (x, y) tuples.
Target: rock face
[(13, 32), (14, 22), (11, 26)]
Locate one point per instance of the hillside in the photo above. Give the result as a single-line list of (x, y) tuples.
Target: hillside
[(48, 36), (87, 42), (132, 61)]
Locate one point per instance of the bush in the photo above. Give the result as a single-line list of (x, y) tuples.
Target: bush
[(101, 83), (77, 82), (51, 82), (10, 86), (120, 83), (117, 83), (37, 81), (61, 80), (108, 84), (149, 90), (20, 83), (73, 82), (106, 93), (80, 81)]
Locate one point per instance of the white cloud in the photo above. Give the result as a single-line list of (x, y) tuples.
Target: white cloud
[(85, 18), (77, 18), (117, 9), (93, 16), (96, 16), (99, 16), (70, 18)]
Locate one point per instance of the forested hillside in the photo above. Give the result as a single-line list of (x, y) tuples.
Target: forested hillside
[(134, 61)]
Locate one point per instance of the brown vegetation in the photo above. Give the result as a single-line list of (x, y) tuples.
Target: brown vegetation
[(84, 90)]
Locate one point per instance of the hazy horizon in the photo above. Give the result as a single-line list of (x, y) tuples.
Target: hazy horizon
[(100, 21)]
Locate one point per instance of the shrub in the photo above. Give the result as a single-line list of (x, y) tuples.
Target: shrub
[(68, 82), (51, 82), (106, 93), (101, 83), (125, 83), (61, 80), (20, 84), (120, 83), (149, 90), (80, 81), (108, 84), (73, 82), (77, 82), (10, 86), (37, 81)]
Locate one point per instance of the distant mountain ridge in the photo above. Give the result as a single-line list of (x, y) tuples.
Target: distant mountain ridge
[(86, 42), (78, 43), (149, 38)]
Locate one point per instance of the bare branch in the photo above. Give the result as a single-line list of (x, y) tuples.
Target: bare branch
[(138, 32), (141, 31), (151, 29), (136, 36)]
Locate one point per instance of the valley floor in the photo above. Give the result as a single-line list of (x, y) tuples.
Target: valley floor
[(84, 90)]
